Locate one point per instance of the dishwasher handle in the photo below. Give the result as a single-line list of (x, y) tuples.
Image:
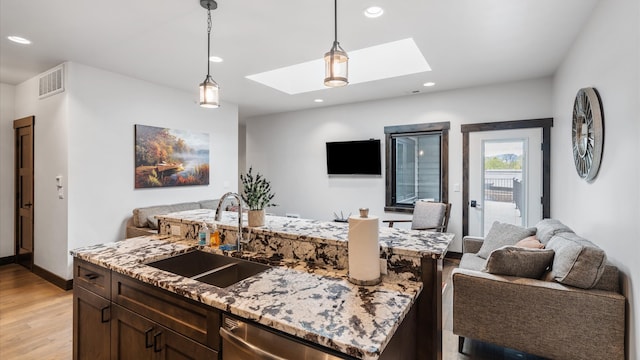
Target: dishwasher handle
[(257, 353)]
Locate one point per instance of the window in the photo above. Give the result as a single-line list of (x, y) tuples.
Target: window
[(416, 164)]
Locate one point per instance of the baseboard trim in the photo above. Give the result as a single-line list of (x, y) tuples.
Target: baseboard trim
[(453, 255), (53, 278), (7, 260)]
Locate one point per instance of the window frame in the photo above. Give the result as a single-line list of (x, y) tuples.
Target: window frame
[(392, 132)]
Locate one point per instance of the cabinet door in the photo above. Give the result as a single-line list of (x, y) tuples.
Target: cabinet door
[(91, 322), (132, 336), (173, 346)]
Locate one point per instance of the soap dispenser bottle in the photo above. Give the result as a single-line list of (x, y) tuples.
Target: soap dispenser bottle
[(203, 234), (215, 236)]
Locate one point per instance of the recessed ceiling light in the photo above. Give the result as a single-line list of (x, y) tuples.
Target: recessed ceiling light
[(430, 83), (373, 12), (318, 100), (19, 40), (216, 59)]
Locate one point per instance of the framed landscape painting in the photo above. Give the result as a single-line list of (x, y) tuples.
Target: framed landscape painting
[(167, 157)]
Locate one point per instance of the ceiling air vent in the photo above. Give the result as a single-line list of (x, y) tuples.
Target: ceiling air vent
[(51, 82)]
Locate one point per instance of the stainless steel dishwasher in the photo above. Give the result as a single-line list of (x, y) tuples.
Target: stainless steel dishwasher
[(243, 341)]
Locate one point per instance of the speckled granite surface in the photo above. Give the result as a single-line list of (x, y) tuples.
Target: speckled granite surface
[(310, 302), (392, 240), (319, 242)]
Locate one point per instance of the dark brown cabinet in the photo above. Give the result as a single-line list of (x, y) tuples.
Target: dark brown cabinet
[(173, 346), (91, 327), (117, 317), (132, 336)]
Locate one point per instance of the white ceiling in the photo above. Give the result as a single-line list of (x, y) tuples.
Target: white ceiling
[(466, 42)]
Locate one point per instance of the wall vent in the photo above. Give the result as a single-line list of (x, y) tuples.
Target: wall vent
[(51, 82)]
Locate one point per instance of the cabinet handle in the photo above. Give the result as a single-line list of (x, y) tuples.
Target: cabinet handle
[(91, 276), (147, 338), (157, 339), (104, 318)]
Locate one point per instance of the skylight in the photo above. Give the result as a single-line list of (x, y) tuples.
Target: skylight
[(384, 61)]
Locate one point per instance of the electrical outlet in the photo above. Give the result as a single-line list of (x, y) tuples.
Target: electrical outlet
[(383, 266), (175, 230)]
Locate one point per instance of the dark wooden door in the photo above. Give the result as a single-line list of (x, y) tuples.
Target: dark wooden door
[(24, 190), (91, 330), (132, 336)]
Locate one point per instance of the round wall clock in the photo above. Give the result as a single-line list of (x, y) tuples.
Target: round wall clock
[(587, 133)]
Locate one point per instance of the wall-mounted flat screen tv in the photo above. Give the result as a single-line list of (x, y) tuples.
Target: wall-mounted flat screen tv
[(354, 157)]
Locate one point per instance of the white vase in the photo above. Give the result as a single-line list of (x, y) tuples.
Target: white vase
[(256, 218)]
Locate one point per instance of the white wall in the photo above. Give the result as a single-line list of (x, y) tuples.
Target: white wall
[(289, 148), (604, 56), (7, 96), (88, 138), (50, 153)]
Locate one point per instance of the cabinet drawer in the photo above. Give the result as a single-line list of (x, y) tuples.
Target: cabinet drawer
[(187, 317), (92, 277)]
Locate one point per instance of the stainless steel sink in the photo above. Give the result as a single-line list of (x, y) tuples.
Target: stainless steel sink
[(192, 263), (213, 269), (230, 274)]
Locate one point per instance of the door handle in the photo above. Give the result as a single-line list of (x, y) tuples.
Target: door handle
[(475, 204), (103, 318), (157, 342), (147, 340), (28, 205)]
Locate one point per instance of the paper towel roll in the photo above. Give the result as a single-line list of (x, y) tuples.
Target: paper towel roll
[(364, 250)]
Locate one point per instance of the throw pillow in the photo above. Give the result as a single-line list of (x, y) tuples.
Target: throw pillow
[(502, 234), (152, 222), (530, 242), (548, 228), (519, 261), (578, 261)]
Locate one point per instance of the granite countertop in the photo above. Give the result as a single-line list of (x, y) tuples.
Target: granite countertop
[(319, 305), (392, 240)]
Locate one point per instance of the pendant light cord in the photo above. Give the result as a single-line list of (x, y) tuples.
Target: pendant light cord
[(208, 37), (335, 20)]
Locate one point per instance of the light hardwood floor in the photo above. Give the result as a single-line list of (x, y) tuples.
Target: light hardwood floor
[(35, 316), (36, 320)]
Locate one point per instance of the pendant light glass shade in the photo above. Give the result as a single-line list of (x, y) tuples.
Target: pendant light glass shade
[(336, 66), (209, 89), (336, 61), (209, 93)]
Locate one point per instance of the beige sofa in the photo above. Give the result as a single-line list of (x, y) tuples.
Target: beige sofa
[(543, 316), (143, 221)]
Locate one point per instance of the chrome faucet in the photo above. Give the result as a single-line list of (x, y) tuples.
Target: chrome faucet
[(219, 214)]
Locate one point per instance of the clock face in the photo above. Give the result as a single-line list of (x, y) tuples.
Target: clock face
[(587, 133)]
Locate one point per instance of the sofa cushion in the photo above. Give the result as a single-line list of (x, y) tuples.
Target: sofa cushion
[(578, 262), (152, 222), (502, 234), (471, 261), (547, 228), (519, 261), (141, 215), (530, 242), (209, 204)]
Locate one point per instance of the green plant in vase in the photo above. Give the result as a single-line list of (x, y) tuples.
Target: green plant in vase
[(257, 194)]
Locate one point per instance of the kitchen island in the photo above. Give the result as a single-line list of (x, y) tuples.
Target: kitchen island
[(300, 296)]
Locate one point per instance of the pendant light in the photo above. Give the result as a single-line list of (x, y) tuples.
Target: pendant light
[(336, 69), (209, 89)]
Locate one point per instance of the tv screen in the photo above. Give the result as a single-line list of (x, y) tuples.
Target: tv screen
[(354, 157)]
